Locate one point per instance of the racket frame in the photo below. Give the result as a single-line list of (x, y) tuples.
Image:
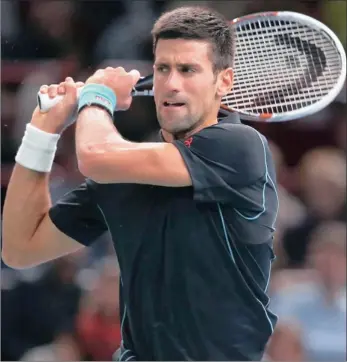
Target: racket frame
[(324, 101), (139, 90)]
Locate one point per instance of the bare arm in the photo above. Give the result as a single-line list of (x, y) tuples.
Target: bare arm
[(29, 236), (105, 157)]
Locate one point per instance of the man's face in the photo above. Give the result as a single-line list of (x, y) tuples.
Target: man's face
[(186, 90)]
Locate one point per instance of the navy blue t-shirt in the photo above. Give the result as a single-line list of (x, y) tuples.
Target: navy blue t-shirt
[(195, 261)]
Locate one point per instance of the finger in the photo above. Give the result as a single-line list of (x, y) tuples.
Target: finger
[(44, 89), (99, 72), (79, 84), (71, 91), (53, 90), (135, 74), (120, 70), (61, 88)]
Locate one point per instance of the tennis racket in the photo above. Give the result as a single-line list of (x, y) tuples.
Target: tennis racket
[(287, 66)]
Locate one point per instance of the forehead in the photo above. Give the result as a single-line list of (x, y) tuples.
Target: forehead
[(182, 51)]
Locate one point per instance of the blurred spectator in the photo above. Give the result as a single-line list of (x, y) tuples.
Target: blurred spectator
[(338, 124), (312, 312), (333, 13), (304, 7), (291, 212), (132, 32), (35, 311), (46, 32), (63, 348), (10, 24), (98, 325), (322, 176), (322, 187)]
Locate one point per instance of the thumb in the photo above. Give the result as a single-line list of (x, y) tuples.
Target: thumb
[(135, 75)]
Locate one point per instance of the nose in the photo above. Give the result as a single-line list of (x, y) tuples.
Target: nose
[(174, 81)]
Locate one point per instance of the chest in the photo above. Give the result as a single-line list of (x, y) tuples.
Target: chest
[(154, 218), (133, 208)]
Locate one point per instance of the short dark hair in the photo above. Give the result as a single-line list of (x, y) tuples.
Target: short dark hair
[(195, 22)]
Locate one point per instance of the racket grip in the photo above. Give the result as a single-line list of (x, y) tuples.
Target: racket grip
[(45, 103), (142, 88)]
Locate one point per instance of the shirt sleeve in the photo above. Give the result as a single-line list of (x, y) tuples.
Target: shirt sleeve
[(78, 216), (224, 162)]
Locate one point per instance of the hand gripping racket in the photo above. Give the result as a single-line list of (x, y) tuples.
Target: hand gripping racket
[(287, 66)]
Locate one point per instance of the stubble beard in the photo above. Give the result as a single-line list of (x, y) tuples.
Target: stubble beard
[(179, 127)]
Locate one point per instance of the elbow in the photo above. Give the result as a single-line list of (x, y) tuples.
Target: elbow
[(89, 164), (13, 260), (13, 256), (85, 168), (103, 163), (86, 160)]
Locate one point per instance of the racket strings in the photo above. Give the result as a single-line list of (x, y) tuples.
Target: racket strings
[(282, 64)]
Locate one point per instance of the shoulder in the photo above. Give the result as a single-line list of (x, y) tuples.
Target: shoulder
[(237, 132), (233, 140), (237, 151)]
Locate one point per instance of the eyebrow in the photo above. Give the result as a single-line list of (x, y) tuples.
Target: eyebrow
[(192, 64)]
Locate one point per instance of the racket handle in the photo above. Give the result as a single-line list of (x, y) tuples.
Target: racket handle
[(45, 103), (142, 88)]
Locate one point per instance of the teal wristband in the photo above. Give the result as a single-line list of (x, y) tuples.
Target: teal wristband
[(97, 95)]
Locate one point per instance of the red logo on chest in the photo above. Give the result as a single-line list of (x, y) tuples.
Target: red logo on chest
[(188, 141)]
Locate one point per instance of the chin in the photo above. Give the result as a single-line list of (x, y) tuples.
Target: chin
[(175, 128), (176, 125)]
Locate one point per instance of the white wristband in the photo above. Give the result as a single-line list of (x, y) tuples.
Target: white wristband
[(37, 150)]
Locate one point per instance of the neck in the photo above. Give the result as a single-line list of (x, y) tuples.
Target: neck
[(169, 137)]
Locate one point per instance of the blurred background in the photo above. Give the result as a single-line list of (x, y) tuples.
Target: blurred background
[(68, 309)]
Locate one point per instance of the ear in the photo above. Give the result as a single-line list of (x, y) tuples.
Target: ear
[(225, 82)]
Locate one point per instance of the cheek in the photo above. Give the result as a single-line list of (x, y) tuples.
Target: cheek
[(156, 97), (209, 97), (155, 100), (156, 88), (203, 95)]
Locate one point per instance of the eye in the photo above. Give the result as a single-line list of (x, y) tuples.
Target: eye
[(187, 69), (162, 68)]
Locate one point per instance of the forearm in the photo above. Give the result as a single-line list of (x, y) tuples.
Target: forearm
[(105, 157), (27, 202), (94, 128), (96, 137)]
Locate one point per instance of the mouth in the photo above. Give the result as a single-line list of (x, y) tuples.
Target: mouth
[(173, 104)]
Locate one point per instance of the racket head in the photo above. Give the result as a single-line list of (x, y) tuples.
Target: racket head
[(287, 66)]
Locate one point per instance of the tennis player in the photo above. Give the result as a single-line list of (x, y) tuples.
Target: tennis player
[(191, 216)]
